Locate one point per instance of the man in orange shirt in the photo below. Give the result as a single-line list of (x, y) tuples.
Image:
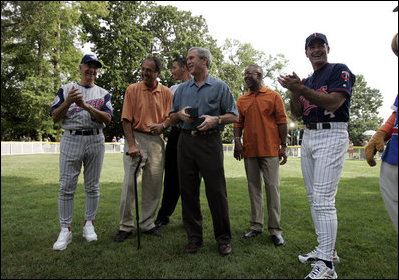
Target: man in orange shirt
[(263, 118), (145, 113)]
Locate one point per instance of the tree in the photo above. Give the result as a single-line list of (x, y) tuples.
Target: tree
[(363, 112), (130, 32), (31, 70)]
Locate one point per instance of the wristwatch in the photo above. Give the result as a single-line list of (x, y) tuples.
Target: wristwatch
[(219, 120)]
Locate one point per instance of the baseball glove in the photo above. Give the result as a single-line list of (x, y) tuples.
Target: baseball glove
[(376, 144)]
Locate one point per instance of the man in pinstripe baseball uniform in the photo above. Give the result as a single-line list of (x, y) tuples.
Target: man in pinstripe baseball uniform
[(84, 110), (323, 101)]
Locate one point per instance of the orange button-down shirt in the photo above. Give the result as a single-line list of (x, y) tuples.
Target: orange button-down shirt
[(141, 106), (259, 115)]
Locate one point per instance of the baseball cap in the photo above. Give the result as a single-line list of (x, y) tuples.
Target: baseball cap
[(315, 36), (89, 58)]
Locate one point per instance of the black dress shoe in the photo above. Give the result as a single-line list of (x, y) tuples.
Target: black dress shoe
[(154, 232), (251, 233), (278, 240), (225, 249), (160, 223), (122, 235)]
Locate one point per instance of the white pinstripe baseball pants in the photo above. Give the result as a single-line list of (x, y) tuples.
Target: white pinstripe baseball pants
[(322, 160), (75, 150)]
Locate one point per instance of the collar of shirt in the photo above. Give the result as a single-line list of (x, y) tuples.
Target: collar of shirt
[(157, 88), (263, 89), (208, 81)]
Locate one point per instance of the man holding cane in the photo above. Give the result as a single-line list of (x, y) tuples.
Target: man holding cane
[(144, 117)]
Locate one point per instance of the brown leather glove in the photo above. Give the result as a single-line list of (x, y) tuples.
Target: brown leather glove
[(376, 144)]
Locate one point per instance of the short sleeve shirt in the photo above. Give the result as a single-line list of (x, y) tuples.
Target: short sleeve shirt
[(330, 78), (260, 114), (78, 118), (141, 106)]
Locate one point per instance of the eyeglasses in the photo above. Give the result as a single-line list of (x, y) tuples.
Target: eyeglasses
[(251, 73)]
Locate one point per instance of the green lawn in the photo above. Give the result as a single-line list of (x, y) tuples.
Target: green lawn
[(367, 242)]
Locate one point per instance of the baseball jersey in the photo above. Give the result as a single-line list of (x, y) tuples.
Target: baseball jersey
[(332, 77), (390, 154), (77, 118)]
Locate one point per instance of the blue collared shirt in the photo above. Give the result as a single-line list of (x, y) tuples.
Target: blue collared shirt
[(212, 98)]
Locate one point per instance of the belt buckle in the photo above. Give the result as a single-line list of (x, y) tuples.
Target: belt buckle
[(326, 125), (194, 133)]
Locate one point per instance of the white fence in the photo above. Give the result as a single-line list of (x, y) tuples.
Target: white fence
[(23, 148)]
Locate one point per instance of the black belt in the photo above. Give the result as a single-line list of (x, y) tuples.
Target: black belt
[(199, 133), (176, 128), (85, 132), (146, 132), (314, 126)]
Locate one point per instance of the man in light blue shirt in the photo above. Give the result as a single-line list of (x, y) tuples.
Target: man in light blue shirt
[(202, 106)]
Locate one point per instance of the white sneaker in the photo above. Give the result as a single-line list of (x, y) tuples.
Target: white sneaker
[(321, 271), (313, 256), (64, 238), (88, 231)]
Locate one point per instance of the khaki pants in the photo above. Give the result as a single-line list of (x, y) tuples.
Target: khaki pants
[(152, 150), (268, 167)]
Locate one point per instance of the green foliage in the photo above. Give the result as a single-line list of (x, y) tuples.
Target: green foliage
[(40, 52), (238, 56), (130, 32), (34, 34), (365, 102), (121, 41)]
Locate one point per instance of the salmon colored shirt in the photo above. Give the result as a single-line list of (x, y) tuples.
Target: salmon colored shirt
[(141, 106), (259, 115)]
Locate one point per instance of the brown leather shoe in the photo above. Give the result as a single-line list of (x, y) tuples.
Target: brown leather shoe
[(193, 247), (225, 249), (122, 235)]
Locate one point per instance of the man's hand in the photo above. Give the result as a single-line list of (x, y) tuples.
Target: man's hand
[(289, 81), (208, 123), (183, 116), (133, 151), (74, 97), (155, 128), (282, 154), (238, 151)]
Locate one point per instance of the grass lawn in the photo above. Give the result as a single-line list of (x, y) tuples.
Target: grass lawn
[(367, 242)]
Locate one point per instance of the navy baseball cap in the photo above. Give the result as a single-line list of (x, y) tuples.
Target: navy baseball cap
[(89, 58), (315, 36)]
